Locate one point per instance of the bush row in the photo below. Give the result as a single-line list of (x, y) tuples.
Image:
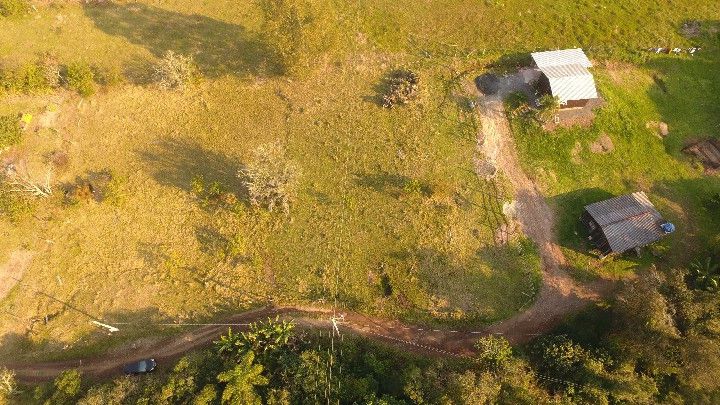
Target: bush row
[(173, 71), (47, 74)]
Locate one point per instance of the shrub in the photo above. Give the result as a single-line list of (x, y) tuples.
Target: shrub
[(402, 88), (548, 106), (109, 76), (271, 179), (27, 78), (80, 77), (713, 202), (10, 8), (298, 31), (175, 71), (13, 205), (10, 131), (92, 187)]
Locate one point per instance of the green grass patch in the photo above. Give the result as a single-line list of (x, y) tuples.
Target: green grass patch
[(573, 176)]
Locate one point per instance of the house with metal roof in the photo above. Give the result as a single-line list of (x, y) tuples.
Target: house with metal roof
[(565, 75), (624, 223)]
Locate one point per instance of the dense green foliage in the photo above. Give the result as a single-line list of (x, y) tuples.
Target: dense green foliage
[(304, 368), (81, 78), (11, 8), (297, 31), (10, 130)]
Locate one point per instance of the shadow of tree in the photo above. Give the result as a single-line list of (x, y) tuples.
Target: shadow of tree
[(445, 285), (393, 184), (18, 347), (177, 162), (218, 47)]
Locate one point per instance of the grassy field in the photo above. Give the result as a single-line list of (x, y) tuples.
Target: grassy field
[(390, 214)]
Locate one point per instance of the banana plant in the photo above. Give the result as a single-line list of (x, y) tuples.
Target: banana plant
[(705, 274)]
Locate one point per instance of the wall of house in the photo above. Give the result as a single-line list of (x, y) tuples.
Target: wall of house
[(597, 236)]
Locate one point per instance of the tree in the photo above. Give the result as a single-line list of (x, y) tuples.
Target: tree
[(494, 353), (182, 382), (119, 391), (267, 337), (271, 179), (206, 396), (228, 345), (8, 385), (471, 389), (312, 378), (548, 106), (66, 387), (240, 381), (298, 31)]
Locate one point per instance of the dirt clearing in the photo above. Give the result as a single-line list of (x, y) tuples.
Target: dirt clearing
[(12, 271)]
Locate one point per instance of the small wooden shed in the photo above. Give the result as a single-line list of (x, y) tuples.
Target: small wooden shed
[(565, 75), (624, 223)]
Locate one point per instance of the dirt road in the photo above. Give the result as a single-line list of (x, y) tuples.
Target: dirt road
[(558, 297), (165, 352)]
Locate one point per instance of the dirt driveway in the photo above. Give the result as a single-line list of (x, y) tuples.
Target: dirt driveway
[(559, 295)]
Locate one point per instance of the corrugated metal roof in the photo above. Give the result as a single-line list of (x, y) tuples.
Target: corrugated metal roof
[(561, 57), (570, 82), (565, 71), (628, 221)]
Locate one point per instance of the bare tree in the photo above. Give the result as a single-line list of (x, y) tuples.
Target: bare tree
[(270, 177), (22, 182), (8, 385), (175, 71)]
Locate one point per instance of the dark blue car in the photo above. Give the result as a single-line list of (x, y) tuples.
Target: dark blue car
[(140, 367)]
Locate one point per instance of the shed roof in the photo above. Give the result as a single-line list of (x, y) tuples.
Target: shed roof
[(561, 57), (570, 82), (628, 221)]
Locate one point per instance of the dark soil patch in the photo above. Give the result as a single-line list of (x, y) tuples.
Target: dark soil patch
[(708, 153), (603, 144), (691, 29)]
